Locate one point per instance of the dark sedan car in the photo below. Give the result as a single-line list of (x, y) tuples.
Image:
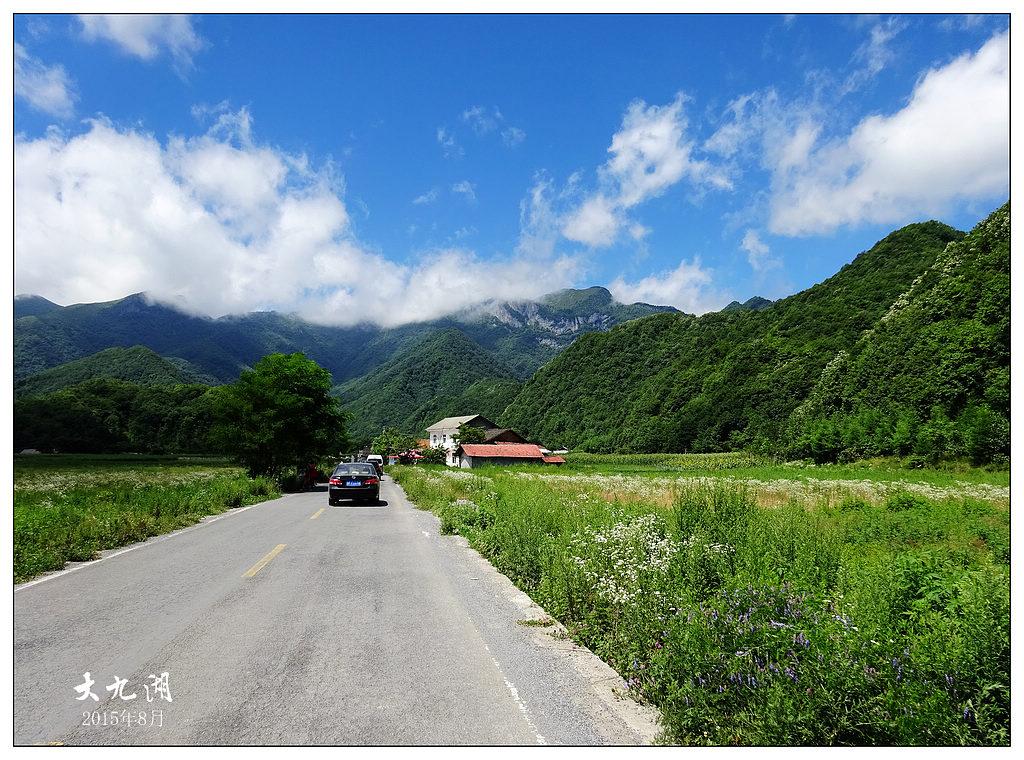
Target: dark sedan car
[(358, 481)]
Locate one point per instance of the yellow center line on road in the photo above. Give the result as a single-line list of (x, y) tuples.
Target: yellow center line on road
[(317, 515), (259, 565)]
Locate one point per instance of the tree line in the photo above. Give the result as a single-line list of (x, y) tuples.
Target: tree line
[(276, 417), (115, 416)]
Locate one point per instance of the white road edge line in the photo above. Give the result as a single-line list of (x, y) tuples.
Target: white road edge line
[(133, 547), (519, 703), (522, 708)]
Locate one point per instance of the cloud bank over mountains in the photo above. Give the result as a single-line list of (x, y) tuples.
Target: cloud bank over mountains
[(221, 221)]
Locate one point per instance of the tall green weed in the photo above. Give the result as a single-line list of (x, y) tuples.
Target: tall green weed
[(853, 624), (68, 515)]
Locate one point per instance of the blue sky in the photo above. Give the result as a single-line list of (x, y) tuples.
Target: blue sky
[(396, 167)]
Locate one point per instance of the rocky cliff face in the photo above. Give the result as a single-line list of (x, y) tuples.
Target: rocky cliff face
[(564, 313), (521, 314)]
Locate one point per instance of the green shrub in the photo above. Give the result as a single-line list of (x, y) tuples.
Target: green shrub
[(901, 501), (860, 624)]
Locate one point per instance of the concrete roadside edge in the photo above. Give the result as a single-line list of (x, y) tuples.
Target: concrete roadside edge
[(641, 720)]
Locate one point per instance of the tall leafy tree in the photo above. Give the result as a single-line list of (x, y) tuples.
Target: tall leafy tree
[(391, 441), (469, 434), (280, 415)]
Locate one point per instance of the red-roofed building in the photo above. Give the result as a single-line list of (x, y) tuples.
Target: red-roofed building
[(443, 433), (502, 454)]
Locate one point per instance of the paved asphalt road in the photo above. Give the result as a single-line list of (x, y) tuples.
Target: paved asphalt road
[(292, 622)]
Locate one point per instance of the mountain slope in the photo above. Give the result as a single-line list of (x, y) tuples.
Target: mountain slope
[(756, 303), (31, 306), (428, 379), (672, 382), (523, 335), (221, 347), (136, 365), (526, 335), (934, 372)]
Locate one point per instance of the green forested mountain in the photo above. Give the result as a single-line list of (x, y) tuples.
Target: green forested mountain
[(523, 335), (489, 397), (136, 365), (30, 306), (725, 380), (932, 376), (221, 348), (904, 351), (445, 375), (756, 303), (419, 380)]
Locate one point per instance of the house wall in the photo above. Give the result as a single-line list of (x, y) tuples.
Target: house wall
[(468, 462), (444, 437)]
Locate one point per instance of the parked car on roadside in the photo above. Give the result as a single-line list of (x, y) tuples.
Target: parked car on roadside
[(358, 481), (378, 461)]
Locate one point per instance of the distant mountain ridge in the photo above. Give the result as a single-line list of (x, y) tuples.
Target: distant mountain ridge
[(524, 335), (904, 351), (756, 304), (29, 306)]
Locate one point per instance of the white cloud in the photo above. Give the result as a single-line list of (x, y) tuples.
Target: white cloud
[(466, 189), (482, 121), (595, 223), (638, 232), (447, 142), (146, 35), (875, 53), (962, 21), (757, 252), (650, 153), (428, 197), (513, 136), (217, 223), (951, 141), (46, 88), (687, 287), (443, 281), (731, 136), (795, 149), (539, 224)]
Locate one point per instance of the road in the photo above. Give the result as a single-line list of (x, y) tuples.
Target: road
[(294, 623)]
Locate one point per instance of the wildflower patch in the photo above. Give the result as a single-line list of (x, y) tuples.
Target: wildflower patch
[(864, 613)]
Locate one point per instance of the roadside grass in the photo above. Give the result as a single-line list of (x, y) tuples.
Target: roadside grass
[(67, 508), (749, 466), (656, 462), (870, 610)]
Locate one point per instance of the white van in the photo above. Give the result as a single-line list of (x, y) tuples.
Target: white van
[(377, 461)]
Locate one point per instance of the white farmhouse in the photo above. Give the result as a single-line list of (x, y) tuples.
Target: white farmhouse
[(442, 434)]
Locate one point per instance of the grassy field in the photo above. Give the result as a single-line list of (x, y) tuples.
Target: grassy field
[(753, 603), (761, 604), (69, 507)]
